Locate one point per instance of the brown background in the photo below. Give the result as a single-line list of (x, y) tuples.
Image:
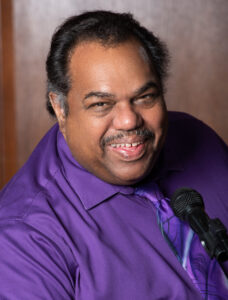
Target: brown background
[(196, 34)]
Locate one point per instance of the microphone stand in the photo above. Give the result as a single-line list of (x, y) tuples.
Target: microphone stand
[(215, 241)]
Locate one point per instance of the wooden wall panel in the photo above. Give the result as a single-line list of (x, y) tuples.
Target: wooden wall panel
[(196, 34), (8, 144), (199, 70)]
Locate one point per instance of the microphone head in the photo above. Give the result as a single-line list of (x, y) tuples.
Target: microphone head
[(184, 201)]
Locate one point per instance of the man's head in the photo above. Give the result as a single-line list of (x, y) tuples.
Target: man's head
[(105, 86)]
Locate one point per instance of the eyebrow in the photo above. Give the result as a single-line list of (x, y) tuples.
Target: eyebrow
[(144, 88), (98, 95)]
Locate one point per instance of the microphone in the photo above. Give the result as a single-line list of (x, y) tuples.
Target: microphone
[(188, 205)]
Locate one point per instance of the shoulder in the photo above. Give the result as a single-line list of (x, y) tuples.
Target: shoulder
[(176, 119), (203, 157), (30, 183), (193, 135), (196, 145)]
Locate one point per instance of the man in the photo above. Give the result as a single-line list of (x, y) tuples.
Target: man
[(86, 217)]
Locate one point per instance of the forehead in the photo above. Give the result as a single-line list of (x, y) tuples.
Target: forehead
[(93, 51), (122, 65)]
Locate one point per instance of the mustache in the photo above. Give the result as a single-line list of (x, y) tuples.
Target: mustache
[(144, 132)]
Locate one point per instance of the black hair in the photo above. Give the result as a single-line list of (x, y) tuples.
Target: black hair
[(108, 28)]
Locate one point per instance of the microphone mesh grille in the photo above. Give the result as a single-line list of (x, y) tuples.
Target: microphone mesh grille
[(184, 200)]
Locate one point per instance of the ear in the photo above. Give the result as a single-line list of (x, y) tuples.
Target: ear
[(59, 111)]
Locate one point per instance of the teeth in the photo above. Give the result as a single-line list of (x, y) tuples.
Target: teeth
[(125, 145)]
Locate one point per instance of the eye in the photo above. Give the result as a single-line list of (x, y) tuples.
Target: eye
[(147, 99), (100, 106)]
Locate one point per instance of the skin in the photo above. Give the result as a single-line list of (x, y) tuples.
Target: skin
[(114, 92)]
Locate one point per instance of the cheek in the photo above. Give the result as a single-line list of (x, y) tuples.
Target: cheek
[(85, 133), (156, 118)]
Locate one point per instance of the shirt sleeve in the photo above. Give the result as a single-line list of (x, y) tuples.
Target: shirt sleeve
[(32, 266)]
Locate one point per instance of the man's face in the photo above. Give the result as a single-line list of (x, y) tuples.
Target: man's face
[(117, 117)]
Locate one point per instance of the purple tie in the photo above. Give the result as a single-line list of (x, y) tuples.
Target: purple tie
[(205, 273)]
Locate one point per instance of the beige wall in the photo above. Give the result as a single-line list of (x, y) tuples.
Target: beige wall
[(196, 34)]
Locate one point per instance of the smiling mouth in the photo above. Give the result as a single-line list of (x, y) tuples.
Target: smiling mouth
[(129, 151), (127, 145)]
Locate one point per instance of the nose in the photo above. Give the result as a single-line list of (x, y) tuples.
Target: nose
[(127, 118)]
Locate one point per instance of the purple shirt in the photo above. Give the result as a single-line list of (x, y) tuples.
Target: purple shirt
[(65, 234)]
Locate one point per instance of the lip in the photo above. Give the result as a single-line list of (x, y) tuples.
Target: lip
[(129, 154)]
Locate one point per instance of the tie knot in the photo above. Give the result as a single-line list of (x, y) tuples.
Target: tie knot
[(153, 193)]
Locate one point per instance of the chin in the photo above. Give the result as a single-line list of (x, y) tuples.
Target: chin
[(127, 173), (130, 177), (130, 181)]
